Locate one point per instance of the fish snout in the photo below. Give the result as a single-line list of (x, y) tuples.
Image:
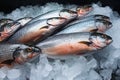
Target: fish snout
[(109, 40)]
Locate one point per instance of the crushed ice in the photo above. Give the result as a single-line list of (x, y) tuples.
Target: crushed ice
[(102, 65)]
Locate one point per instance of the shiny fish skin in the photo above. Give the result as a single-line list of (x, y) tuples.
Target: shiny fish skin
[(5, 21), (24, 21), (8, 30), (65, 13), (17, 53), (92, 25), (37, 31), (74, 43)]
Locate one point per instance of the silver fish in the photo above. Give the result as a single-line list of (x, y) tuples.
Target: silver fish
[(97, 25), (24, 21), (65, 13), (37, 31), (8, 29), (17, 53), (74, 43), (5, 21)]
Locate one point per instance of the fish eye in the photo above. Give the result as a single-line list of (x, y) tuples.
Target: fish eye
[(104, 36), (29, 49)]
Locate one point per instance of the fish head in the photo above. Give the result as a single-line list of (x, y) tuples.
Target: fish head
[(84, 10), (68, 14), (103, 25), (24, 54), (100, 40), (5, 21), (98, 16), (56, 21), (24, 20)]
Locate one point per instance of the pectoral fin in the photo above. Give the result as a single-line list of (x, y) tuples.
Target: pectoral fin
[(45, 27), (85, 42), (94, 30), (9, 62)]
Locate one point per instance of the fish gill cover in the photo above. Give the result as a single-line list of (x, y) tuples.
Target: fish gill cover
[(103, 65)]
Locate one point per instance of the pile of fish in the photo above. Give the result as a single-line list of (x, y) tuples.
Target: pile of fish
[(55, 33)]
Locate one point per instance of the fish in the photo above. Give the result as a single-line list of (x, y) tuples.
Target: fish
[(93, 25), (37, 31), (79, 43), (17, 53), (8, 30), (65, 13), (24, 21), (5, 21)]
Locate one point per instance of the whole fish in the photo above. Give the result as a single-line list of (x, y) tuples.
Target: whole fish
[(5, 21), (37, 31), (17, 53), (74, 43), (95, 25), (65, 13), (24, 21), (8, 29)]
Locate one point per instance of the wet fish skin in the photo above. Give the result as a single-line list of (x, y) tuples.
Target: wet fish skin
[(92, 25), (74, 43), (24, 21), (8, 30), (17, 53), (37, 31), (65, 13)]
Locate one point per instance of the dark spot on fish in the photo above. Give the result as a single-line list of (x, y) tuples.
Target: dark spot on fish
[(9, 62), (85, 42)]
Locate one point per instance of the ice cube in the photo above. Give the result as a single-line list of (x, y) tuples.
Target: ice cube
[(106, 74), (14, 74), (2, 75)]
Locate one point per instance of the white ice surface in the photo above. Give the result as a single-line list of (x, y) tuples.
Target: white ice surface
[(98, 66)]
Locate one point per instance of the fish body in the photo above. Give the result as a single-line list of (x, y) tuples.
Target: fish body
[(8, 30), (65, 13), (74, 43), (93, 25), (17, 53), (37, 31)]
